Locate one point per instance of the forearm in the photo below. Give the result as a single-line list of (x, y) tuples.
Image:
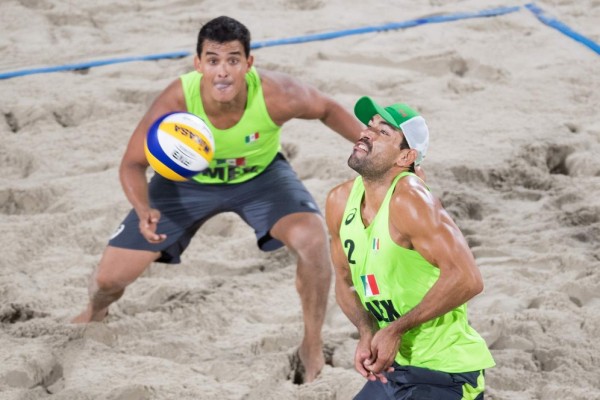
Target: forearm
[(444, 296), (135, 186), (338, 119), (350, 304)]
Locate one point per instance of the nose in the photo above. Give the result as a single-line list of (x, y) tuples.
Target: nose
[(366, 132), (222, 71)]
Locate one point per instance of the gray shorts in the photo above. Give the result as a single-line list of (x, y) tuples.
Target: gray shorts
[(414, 383), (185, 206)]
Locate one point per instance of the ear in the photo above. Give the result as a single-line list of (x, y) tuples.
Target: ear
[(250, 62), (197, 63), (406, 158)]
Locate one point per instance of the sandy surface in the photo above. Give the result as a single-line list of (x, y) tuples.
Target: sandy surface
[(512, 106)]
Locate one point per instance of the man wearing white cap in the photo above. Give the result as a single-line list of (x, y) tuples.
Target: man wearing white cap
[(404, 271)]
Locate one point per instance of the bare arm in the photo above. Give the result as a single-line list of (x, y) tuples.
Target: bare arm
[(132, 171), (419, 217), (436, 237), (289, 98), (345, 294), (344, 289)]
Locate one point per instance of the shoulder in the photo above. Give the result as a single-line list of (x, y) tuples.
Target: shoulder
[(341, 191), (336, 202), (282, 89), (278, 89), (276, 83), (413, 205), (411, 188), (287, 97), (170, 99)]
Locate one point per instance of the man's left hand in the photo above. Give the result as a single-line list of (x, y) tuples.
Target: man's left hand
[(384, 347)]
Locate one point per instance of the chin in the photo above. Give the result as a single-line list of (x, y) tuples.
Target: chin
[(225, 96), (220, 98), (354, 163), (223, 99)]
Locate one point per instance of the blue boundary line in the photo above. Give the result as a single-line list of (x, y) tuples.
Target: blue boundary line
[(386, 27), (539, 13), (275, 42), (556, 24), (90, 64)]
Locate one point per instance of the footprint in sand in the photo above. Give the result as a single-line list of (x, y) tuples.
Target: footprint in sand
[(28, 201)]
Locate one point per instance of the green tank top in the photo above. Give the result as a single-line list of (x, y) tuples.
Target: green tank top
[(391, 280), (244, 150)]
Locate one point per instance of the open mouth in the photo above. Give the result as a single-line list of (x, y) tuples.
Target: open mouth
[(362, 145), (222, 85)]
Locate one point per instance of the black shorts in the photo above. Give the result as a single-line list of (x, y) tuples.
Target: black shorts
[(185, 206), (414, 383)]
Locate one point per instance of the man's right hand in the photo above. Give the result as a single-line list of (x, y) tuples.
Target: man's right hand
[(148, 223), (362, 355), (363, 359)]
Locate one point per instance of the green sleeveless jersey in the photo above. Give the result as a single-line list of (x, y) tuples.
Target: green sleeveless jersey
[(244, 150), (391, 280)]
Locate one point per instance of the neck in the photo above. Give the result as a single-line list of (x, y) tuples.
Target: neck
[(224, 115), (376, 190), (382, 181), (212, 106)]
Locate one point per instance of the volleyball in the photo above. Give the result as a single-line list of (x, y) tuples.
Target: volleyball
[(179, 145)]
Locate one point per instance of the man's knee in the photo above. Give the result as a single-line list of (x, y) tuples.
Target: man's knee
[(314, 266), (107, 283), (120, 267), (308, 239)]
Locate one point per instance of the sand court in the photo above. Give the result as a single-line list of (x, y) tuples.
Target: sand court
[(512, 106)]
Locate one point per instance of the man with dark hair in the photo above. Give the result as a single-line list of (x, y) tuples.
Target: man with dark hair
[(224, 29), (404, 271), (247, 177)]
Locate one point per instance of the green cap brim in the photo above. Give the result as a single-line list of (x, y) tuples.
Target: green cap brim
[(365, 108)]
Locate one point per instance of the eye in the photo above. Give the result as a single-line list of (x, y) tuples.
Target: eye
[(384, 132)]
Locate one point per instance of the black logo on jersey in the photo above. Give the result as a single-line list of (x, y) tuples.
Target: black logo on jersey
[(350, 216), (383, 310), (228, 173)]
